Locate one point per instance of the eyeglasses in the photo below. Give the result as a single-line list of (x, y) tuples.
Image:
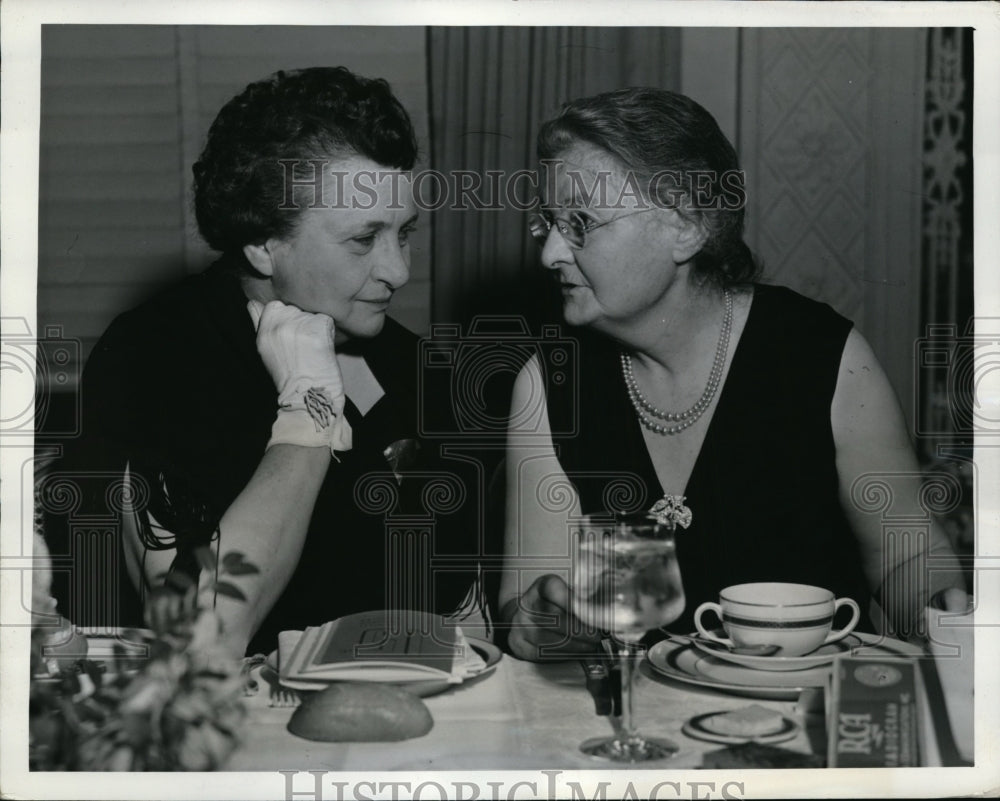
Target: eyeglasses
[(574, 230)]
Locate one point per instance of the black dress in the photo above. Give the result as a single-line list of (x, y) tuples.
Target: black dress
[(177, 390), (764, 488)]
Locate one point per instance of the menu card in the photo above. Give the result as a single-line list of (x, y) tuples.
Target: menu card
[(384, 645)]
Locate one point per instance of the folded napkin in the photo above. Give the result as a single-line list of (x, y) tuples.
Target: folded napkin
[(471, 662), (287, 640), (950, 641)]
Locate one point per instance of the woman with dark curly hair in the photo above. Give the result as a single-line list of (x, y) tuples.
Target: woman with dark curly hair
[(250, 404), (745, 411)]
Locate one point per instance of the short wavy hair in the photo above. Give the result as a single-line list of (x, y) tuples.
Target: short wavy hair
[(302, 115), (653, 132)]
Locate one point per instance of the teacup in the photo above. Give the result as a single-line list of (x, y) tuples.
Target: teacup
[(794, 618)]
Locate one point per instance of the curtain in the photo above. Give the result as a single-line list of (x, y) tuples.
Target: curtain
[(489, 91)]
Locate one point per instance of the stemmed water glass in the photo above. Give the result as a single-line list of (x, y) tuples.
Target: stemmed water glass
[(625, 581)]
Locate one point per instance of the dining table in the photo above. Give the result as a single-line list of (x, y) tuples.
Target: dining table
[(522, 715), (534, 715)]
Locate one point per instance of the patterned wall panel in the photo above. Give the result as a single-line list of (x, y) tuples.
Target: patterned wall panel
[(830, 133), (809, 171)]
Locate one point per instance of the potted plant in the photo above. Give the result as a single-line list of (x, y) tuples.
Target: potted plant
[(178, 708)]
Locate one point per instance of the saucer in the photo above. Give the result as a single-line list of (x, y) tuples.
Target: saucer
[(695, 727), (683, 662), (823, 655)]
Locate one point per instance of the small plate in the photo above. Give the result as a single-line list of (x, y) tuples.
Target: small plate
[(695, 728), (824, 655), (130, 644), (423, 687), (126, 652), (685, 663)]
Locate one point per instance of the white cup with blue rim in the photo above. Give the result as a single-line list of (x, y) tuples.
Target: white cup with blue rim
[(777, 618)]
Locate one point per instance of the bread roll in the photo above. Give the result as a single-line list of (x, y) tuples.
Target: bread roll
[(353, 711)]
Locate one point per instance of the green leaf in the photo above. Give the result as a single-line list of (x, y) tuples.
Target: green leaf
[(206, 561), (179, 581), (94, 671), (242, 569), (230, 590), (235, 564)]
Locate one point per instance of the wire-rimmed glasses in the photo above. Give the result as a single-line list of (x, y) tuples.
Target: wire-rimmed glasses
[(573, 229)]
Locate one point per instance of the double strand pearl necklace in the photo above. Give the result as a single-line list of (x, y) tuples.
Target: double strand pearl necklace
[(648, 414)]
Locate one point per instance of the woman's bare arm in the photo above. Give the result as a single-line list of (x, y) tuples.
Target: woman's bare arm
[(873, 446), (266, 523), (534, 593)]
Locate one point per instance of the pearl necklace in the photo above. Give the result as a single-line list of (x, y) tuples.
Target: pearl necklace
[(646, 412)]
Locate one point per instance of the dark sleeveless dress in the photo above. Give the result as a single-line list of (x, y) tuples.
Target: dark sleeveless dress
[(764, 488), (177, 390)]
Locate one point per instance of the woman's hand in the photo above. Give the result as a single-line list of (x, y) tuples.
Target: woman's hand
[(297, 349), (543, 627), (952, 599)]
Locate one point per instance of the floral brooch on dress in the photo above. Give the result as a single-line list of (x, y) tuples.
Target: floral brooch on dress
[(671, 509)]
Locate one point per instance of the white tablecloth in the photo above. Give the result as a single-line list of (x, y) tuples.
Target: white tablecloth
[(523, 715)]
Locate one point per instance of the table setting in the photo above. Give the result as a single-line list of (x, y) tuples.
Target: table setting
[(516, 714), (754, 692), (520, 715)]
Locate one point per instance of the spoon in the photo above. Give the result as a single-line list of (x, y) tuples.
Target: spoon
[(749, 650), (752, 650)]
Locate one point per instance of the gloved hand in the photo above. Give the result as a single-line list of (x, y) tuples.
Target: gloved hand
[(297, 349)]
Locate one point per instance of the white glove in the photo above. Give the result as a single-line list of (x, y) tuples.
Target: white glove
[(297, 349)]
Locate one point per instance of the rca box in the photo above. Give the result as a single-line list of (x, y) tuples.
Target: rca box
[(873, 715)]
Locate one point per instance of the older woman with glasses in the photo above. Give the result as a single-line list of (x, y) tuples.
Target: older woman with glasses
[(745, 411)]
